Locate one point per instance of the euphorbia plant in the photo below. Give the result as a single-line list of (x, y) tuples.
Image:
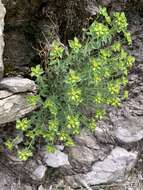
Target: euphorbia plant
[(91, 73)]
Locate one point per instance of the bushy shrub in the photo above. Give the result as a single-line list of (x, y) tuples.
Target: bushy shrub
[(90, 75)]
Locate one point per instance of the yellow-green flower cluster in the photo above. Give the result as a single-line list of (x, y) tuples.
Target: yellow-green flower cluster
[(36, 71), (75, 45), (130, 61), (23, 124), (99, 98), (120, 22), (33, 100), (24, 154), (116, 47), (128, 37), (73, 78), (92, 124), (74, 95), (106, 72), (73, 123), (56, 50), (126, 94), (114, 101), (100, 30), (53, 125), (114, 87), (65, 137), (97, 78), (50, 104), (100, 113), (105, 53), (103, 11), (95, 63), (9, 144)]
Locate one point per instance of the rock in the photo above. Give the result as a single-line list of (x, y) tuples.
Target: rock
[(56, 159), (19, 36), (60, 147), (18, 84), (27, 187), (8, 182), (130, 130), (41, 187), (82, 155), (104, 132), (13, 93), (106, 2), (2, 15), (14, 107), (87, 139), (18, 52), (5, 94), (110, 170), (39, 173), (92, 8)]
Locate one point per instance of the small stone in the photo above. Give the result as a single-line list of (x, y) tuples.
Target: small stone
[(87, 139), (60, 147), (39, 173), (41, 187), (56, 159), (130, 130), (82, 155), (18, 84)]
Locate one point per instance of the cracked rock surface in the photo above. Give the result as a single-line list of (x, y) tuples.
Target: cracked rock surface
[(14, 107), (111, 169), (13, 93)]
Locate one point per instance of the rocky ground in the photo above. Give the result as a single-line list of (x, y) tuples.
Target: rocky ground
[(110, 159)]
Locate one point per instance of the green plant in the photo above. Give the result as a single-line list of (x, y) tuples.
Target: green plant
[(91, 74)]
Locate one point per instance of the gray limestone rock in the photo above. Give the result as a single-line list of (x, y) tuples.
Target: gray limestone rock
[(39, 173), (5, 94), (82, 155), (87, 139), (56, 159), (14, 107), (17, 84), (2, 15), (111, 169), (130, 130)]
